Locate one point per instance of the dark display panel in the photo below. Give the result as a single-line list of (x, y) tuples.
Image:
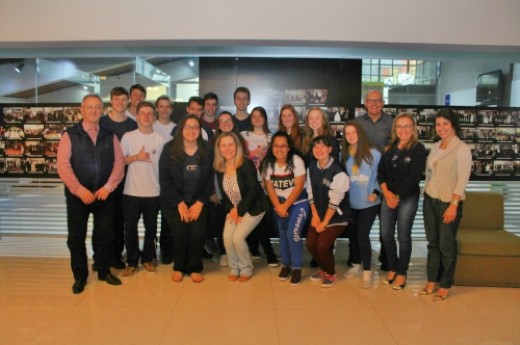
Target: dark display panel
[(30, 135), (489, 88), (304, 83)]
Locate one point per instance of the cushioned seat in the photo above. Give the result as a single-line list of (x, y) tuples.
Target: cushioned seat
[(488, 255), (486, 242)]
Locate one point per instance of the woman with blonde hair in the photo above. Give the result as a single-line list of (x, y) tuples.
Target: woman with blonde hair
[(399, 174), (243, 199)]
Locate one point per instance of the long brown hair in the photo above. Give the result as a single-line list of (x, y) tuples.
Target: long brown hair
[(296, 134), (309, 133), (265, 126), (363, 145), (177, 147)]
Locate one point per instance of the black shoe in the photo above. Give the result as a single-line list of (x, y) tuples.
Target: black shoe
[(118, 265), (166, 260), (255, 253), (284, 273), (78, 287), (207, 254), (314, 263), (272, 260), (110, 279), (296, 276)]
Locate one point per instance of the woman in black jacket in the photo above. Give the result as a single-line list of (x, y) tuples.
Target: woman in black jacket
[(244, 201), (400, 171), (186, 178)]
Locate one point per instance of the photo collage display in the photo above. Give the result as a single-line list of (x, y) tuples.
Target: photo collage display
[(30, 135), (29, 138), (493, 134)]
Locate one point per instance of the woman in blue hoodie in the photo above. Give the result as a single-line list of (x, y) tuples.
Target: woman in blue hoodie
[(362, 161)]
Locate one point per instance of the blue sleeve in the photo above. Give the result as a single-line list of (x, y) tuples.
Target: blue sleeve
[(373, 184)]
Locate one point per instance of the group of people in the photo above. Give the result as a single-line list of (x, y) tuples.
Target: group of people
[(227, 177)]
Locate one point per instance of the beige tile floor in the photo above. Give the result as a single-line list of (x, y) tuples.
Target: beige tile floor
[(37, 307)]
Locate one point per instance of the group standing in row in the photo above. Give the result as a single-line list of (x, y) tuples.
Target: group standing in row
[(229, 169)]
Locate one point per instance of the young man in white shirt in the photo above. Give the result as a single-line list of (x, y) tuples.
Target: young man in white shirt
[(141, 149), (164, 125)]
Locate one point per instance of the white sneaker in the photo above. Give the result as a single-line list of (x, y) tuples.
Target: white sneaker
[(223, 262), (352, 271), (367, 280)]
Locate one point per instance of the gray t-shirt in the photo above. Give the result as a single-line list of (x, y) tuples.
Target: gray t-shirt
[(380, 132)]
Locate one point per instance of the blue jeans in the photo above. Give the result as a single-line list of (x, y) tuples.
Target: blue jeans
[(290, 229), (237, 250), (442, 241), (132, 209), (403, 215)]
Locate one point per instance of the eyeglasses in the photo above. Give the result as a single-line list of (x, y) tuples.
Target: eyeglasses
[(191, 128), (97, 107), (372, 101), (225, 121), (403, 127), (281, 146)]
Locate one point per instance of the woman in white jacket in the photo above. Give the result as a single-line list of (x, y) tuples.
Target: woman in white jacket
[(448, 169)]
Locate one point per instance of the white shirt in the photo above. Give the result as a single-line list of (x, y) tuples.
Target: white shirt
[(142, 177), (283, 179), (164, 130)]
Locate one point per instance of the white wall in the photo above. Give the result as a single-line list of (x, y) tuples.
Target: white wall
[(128, 23), (459, 79)]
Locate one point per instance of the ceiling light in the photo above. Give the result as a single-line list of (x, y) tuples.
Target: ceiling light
[(19, 67)]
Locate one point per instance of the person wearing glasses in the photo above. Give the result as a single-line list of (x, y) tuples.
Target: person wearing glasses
[(399, 174), (186, 179), (284, 176), (378, 128)]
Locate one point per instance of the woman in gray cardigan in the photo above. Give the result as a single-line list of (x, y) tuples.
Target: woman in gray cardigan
[(448, 168)]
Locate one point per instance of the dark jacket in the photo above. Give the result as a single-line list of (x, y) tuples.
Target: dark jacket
[(322, 190), (402, 170), (171, 178), (92, 164), (254, 201)]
